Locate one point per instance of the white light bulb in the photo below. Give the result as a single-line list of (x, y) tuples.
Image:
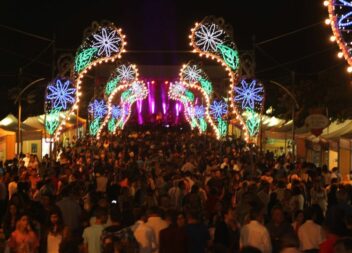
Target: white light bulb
[(326, 3), (349, 69), (340, 54), (332, 38), (327, 21)]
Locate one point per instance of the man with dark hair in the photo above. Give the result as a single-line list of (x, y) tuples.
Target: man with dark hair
[(115, 237), (92, 234), (197, 233), (254, 233)]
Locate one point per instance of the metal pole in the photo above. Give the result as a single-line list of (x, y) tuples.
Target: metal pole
[(19, 141)]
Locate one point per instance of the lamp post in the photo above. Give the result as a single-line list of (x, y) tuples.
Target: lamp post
[(294, 107), (19, 101)]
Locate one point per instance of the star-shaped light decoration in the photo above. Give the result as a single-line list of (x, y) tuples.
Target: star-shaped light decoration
[(207, 37), (107, 42), (61, 94), (218, 108), (249, 93)]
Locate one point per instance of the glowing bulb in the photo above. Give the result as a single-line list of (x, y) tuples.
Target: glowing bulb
[(340, 54), (332, 38), (327, 21), (326, 3), (349, 69)]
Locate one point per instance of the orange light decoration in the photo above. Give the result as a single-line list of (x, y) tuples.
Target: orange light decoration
[(105, 44), (210, 39), (339, 13)]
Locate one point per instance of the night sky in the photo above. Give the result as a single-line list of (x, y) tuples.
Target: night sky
[(160, 25)]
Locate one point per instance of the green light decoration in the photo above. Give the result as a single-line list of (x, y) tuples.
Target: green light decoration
[(229, 55), (112, 125), (111, 85), (252, 122), (125, 95), (94, 127), (84, 58), (203, 124), (52, 121), (206, 85), (222, 126), (193, 123), (189, 95)]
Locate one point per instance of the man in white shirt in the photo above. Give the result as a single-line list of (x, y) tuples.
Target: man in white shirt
[(143, 234), (255, 234), (92, 234), (156, 223), (310, 234)]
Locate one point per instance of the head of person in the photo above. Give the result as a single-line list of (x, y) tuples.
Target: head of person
[(181, 219), (23, 223), (193, 217), (101, 216), (299, 216), (277, 215), (343, 245)]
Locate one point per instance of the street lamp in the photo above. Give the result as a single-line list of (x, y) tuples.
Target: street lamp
[(294, 107), (19, 100)]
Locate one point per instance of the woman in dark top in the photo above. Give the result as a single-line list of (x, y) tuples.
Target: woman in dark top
[(10, 218)]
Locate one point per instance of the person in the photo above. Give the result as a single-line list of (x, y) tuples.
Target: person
[(54, 233), (298, 220), (10, 219), (23, 239), (92, 234), (197, 234), (155, 222), (310, 234), (3, 196), (70, 209), (278, 228), (343, 245), (227, 233), (254, 233), (144, 234), (173, 238), (116, 238)]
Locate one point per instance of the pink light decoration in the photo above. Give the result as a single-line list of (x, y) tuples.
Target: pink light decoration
[(177, 109), (153, 106), (164, 108)]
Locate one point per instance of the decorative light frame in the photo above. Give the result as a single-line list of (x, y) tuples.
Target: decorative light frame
[(233, 75), (79, 75)]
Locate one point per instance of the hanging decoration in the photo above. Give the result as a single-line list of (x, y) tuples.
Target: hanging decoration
[(212, 38), (340, 20), (60, 96), (123, 81), (249, 100), (97, 110), (104, 44)]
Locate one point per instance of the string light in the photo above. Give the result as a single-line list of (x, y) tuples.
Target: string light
[(92, 53), (340, 14), (209, 47)]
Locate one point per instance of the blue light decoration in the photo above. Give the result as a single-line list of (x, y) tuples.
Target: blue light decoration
[(340, 19), (249, 97), (218, 108), (98, 108), (61, 93), (116, 111), (60, 97), (249, 94), (199, 111)]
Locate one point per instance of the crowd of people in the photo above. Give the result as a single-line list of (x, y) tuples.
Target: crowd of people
[(171, 192)]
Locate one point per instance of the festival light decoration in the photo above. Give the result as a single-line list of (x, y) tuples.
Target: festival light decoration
[(250, 101), (340, 20), (61, 93), (105, 44), (210, 38), (249, 94), (97, 111), (60, 96), (218, 108)]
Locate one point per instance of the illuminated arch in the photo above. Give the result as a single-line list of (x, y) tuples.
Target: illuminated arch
[(105, 44)]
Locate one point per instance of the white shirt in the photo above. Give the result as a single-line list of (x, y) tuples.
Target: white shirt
[(145, 237), (157, 224), (310, 235), (12, 188), (256, 235)]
